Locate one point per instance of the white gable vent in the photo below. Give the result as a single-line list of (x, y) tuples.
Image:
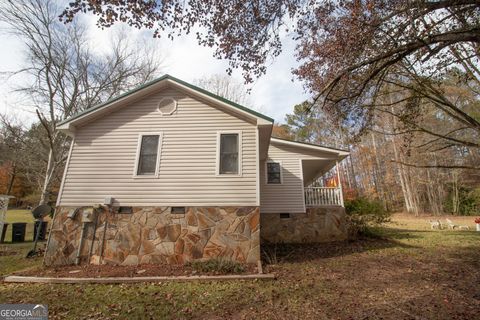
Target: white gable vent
[(167, 106)]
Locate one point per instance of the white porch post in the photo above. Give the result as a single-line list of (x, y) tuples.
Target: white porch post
[(339, 185)]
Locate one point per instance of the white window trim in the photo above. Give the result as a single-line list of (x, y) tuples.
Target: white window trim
[(217, 166), (167, 113), (266, 172), (137, 156)]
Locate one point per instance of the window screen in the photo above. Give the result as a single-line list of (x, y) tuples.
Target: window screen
[(274, 173), (147, 160), (229, 153)]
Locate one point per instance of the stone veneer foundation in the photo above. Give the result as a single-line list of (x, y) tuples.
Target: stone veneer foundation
[(155, 235), (320, 224)]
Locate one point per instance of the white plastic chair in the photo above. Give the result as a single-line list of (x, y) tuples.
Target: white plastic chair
[(452, 225)]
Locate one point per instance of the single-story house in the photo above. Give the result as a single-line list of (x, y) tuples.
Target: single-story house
[(169, 172)]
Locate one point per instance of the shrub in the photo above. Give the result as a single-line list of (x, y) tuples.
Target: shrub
[(468, 202), (269, 254), (222, 266), (31, 200), (362, 214)]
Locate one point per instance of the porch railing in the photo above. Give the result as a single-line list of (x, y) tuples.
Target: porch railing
[(323, 196)]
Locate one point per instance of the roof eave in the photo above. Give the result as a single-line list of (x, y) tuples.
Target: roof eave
[(341, 154), (67, 128), (115, 100), (260, 119)]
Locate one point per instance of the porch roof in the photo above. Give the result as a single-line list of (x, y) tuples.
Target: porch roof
[(311, 146), (316, 159)]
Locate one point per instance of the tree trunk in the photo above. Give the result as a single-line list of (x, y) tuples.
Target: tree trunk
[(12, 179), (354, 177), (455, 194), (378, 179), (45, 196), (405, 181), (434, 192)]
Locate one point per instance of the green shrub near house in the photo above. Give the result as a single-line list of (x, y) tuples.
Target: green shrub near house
[(362, 214)]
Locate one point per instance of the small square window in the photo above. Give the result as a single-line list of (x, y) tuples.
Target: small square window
[(274, 173), (177, 210), (284, 215)]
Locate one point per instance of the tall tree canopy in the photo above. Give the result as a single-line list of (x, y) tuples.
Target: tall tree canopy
[(403, 167), (353, 53)]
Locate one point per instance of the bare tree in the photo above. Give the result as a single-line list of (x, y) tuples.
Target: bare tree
[(68, 76), (22, 151), (226, 87)]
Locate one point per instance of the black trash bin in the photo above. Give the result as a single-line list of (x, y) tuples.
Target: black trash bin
[(5, 227), (18, 231), (43, 230)]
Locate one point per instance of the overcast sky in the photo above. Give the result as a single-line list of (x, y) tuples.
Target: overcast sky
[(274, 94)]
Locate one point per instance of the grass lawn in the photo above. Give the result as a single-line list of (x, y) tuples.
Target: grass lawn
[(20, 215), (409, 272), (12, 258)]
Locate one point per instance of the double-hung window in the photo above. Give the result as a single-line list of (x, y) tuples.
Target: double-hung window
[(148, 154), (229, 153), (274, 172)]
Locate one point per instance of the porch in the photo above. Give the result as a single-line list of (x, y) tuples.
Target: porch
[(306, 203), (322, 183), (308, 177), (323, 196)]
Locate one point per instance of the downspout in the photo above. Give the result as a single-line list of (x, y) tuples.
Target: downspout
[(86, 219), (77, 258), (105, 226), (95, 212)]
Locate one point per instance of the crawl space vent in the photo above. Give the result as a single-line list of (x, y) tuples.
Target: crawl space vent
[(177, 210), (167, 106), (125, 210), (284, 215)]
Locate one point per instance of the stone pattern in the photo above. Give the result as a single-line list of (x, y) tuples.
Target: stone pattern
[(154, 235), (318, 224)]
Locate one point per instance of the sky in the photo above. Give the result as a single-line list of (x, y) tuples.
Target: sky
[(273, 94)]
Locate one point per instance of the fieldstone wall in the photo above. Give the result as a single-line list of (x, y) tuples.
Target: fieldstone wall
[(155, 235), (321, 224)]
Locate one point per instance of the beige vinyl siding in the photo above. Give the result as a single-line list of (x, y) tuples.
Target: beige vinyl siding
[(103, 157), (286, 197)]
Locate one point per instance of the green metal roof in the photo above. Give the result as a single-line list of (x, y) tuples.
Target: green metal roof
[(312, 144), (169, 77)]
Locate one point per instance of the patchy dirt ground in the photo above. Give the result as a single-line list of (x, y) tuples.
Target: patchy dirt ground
[(145, 270), (408, 272), (8, 253), (383, 279)]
